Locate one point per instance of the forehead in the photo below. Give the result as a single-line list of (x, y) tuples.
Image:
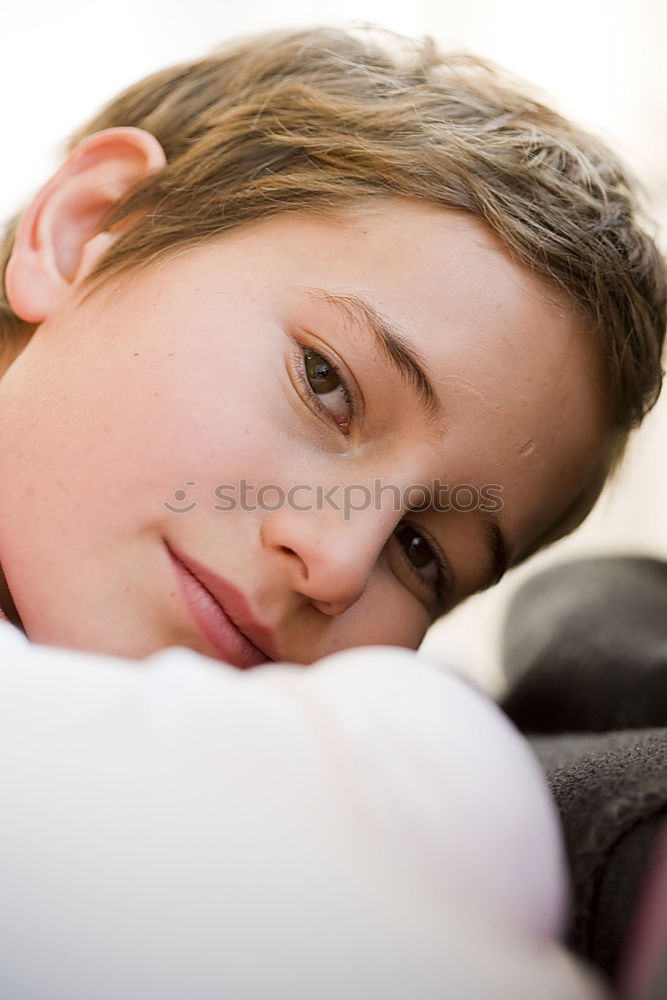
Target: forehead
[(513, 361)]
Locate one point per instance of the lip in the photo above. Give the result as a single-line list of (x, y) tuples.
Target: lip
[(223, 614)]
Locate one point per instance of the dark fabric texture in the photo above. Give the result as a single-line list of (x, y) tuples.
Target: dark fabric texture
[(585, 651), (585, 647), (611, 792)]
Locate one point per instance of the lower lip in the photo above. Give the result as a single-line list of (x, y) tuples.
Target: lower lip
[(230, 645)]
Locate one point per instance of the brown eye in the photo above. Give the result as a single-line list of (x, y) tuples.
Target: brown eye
[(417, 549), (321, 374), (326, 387), (424, 558)]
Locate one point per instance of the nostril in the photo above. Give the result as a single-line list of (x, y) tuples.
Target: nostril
[(292, 552)]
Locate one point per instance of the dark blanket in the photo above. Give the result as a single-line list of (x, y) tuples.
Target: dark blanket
[(585, 653), (611, 791)]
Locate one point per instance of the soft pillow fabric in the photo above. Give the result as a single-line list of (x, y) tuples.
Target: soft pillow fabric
[(370, 826)]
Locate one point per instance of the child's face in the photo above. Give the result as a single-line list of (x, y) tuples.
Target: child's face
[(126, 411)]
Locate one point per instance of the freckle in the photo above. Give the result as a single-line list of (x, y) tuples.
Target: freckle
[(171, 355), (135, 355), (156, 393)]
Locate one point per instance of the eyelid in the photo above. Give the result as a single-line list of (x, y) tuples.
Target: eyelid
[(446, 579), (306, 341)]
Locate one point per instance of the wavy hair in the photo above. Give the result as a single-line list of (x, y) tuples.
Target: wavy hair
[(318, 120)]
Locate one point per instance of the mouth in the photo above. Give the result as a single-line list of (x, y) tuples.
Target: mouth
[(222, 615)]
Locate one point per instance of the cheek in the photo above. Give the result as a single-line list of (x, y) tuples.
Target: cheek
[(385, 614)]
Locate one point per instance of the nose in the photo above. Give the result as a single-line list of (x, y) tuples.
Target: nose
[(327, 556)]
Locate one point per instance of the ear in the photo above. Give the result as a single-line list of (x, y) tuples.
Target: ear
[(58, 240)]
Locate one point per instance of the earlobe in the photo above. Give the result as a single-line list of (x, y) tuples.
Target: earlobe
[(58, 239)]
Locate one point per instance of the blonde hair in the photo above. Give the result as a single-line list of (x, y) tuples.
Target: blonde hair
[(320, 119)]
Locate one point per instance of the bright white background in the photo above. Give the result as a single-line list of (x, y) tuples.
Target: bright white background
[(603, 63)]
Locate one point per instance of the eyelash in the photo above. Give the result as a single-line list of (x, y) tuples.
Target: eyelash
[(445, 578), (312, 395)]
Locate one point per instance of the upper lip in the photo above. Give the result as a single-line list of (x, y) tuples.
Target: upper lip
[(234, 604)]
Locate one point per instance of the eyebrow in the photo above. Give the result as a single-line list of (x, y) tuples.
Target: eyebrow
[(392, 341)]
